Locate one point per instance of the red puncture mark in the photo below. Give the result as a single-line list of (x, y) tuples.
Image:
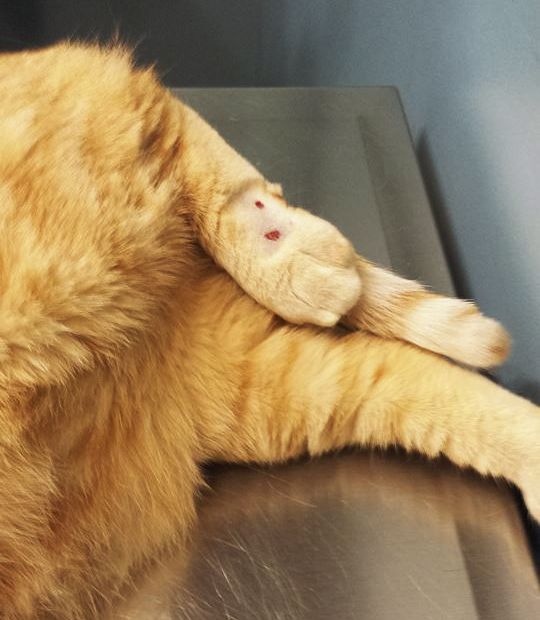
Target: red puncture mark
[(273, 235), (259, 204)]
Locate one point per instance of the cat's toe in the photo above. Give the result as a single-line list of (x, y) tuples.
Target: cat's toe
[(457, 329), (323, 292), (484, 342), (322, 275)]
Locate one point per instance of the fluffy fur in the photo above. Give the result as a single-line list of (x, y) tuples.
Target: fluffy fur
[(128, 357)]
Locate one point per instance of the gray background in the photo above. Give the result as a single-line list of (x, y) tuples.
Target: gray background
[(468, 73)]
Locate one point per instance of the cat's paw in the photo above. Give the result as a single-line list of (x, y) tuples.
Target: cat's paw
[(320, 282), (483, 342), (457, 329), (294, 263)]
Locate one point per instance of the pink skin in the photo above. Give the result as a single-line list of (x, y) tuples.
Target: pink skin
[(266, 221), (272, 235)]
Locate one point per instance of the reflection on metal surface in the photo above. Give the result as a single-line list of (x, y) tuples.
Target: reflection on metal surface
[(357, 535)]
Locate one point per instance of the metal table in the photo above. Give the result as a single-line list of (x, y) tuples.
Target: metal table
[(380, 536)]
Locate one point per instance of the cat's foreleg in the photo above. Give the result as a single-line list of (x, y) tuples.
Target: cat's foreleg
[(308, 391)]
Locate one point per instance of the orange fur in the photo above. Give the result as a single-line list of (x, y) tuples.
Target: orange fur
[(128, 357)]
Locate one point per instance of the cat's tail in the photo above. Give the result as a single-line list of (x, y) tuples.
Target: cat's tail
[(394, 307)]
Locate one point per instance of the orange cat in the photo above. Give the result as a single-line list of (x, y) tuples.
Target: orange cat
[(128, 357)]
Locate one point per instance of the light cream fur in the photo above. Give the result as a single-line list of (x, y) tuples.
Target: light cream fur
[(394, 307)]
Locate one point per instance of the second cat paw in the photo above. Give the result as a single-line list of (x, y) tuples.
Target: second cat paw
[(294, 263)]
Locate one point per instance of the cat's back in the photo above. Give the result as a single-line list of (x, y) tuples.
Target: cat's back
[(78, 113), (66, 98), (87, 144)]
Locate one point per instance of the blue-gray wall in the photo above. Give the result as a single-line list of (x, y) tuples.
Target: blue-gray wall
[(469, 75)]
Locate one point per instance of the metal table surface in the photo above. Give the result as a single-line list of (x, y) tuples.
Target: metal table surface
[(361, 534)]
